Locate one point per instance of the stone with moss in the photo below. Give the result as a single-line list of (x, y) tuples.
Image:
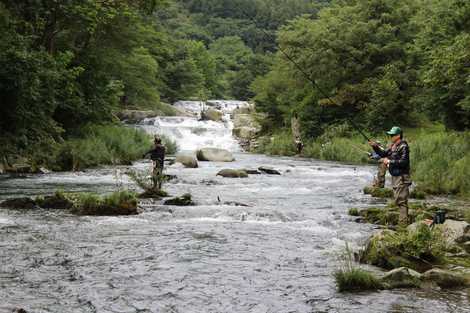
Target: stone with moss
[(444, 278), (117, 203), (58, 201), (378, 192), (402, 277), (184, 200), (420, 249)]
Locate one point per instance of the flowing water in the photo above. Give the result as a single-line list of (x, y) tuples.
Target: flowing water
[(259, 244)]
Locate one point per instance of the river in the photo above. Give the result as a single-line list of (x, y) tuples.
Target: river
[(276, 254)]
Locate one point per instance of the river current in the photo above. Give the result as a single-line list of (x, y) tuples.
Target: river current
[(265, 243)]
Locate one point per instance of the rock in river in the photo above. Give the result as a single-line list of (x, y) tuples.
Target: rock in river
[(184, 200), (187, 160), (215, 155), (269, 170), (232, 173), (19, 203)]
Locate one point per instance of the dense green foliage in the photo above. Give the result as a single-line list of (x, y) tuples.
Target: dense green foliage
[(68, 64), (377, 62)]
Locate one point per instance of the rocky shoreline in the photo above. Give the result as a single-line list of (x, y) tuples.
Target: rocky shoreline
[(422, 255)]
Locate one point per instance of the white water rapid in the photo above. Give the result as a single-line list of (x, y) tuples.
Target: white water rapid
[(192, 133)]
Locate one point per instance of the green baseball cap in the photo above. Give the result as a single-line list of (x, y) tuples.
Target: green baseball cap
[(394, 131)]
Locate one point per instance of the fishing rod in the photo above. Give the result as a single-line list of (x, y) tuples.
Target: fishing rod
[(307, 76)]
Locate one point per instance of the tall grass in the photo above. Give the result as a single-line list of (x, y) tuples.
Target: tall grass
[(349, 277), (350, 150), (103, 145), (441, 162)]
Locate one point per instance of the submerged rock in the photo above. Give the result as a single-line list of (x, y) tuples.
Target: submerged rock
[(214, 155), (19, 203), (184, 200), (232, 173), (269, 170), (187, 160)]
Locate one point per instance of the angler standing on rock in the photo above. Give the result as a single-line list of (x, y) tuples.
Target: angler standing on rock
[(157, 155), (397, 160)]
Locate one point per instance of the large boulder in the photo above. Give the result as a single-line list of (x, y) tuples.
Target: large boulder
[(214, 155), (211, 115), (187, 160), (245, 132), (402, 277), (444, 279), (381, 250), (232, 173), (456, 231), (19, 203)]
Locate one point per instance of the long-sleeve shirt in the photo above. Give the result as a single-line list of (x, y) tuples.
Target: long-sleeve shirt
[(399, 156), (157, 154)]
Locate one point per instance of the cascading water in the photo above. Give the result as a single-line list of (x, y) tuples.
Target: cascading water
[(192, 133)]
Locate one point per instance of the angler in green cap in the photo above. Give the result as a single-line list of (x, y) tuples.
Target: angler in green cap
[(397, 159)]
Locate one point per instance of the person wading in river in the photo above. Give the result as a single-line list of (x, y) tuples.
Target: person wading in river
[(295, 125), (157, 155), (397, 159)]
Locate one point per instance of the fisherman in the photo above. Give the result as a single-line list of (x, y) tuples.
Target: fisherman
[(295, 125), (397, 159), (157, 155)]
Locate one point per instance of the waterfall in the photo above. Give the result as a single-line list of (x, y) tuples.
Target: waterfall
[(191, 133)]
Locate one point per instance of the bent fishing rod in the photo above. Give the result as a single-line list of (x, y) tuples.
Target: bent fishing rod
[(307, 76)]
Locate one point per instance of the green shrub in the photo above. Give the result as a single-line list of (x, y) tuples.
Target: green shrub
[(356, 279), (353, 212), (280, 143), (121, 202)]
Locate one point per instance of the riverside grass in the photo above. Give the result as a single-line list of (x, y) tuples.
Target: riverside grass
[(111, 144), (440, 159), (349, 277)]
